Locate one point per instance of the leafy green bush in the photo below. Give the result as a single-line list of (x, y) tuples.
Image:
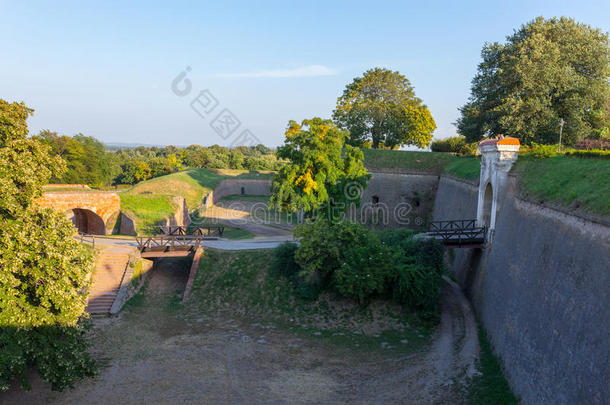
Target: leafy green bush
[(588, 153), (323, 245), (358, 263), (284, 264), (452, 144), (58, 353), (364, 269), (455, 144), (417, 270), (540, 151)]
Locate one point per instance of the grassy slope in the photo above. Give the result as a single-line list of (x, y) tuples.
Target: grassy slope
[(425, 162), (151, 201), (575, 183), (579, 184), (192, 184), (468, 168), (239, 284)]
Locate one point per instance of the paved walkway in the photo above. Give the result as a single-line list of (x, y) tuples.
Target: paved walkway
[(221, 243)]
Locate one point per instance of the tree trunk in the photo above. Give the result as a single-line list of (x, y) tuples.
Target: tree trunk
[(376, 136)]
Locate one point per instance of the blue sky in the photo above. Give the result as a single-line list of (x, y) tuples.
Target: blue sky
[(105, 69)]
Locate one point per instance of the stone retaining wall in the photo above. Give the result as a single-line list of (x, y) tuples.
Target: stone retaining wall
[(541, 291)]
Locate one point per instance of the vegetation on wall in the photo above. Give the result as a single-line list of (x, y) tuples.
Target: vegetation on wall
[(43, 270), (380, 109), (546, 71)]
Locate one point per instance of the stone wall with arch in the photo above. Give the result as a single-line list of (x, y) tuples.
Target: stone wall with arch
[(93, 212)]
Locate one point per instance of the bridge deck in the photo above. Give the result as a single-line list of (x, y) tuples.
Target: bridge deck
[(462, 233), (167, 246)]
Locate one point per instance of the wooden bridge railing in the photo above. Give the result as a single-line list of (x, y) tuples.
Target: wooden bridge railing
[(204, 231), (459, 232), (170, 243)]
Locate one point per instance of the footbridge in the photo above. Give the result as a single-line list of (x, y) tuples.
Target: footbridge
[(458, 234), (497, 157)]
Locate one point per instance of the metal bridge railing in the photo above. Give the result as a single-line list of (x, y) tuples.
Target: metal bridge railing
[(458, 232)]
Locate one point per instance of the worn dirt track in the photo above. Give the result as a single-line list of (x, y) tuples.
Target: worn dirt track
[(153, 357)]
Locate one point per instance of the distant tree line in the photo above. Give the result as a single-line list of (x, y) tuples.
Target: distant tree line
[(90, 162)]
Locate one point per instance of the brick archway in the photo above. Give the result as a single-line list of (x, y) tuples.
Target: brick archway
[(87, 221), (91, 211)]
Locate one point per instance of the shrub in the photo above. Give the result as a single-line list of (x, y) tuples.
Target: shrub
[(588, 143), (323, 244), (358, 263), (453, 144), (283, 263), (456, 145), (540, 151), (590, 153), (364, 269), (469, 149), (417, 270)]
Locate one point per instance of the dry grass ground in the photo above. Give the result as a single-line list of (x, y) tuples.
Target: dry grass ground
[(222, 347)]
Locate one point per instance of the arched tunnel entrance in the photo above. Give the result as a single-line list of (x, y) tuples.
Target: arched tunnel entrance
[(87, 221)]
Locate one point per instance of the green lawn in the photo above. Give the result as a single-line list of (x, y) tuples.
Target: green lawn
[(580, 184), (424, 162)]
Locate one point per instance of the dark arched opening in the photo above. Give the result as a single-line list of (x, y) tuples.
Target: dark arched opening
[(87, 221), (487, 205)]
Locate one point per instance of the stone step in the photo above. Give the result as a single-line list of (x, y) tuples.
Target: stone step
[(109, 271)]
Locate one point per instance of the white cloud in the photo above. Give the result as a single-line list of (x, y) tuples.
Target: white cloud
[(304, 71)]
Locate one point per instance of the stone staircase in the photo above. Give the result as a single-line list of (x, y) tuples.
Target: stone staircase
[(109, 272)]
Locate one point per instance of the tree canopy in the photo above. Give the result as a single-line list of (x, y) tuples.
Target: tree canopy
[(381, 107), (90, 162), (322, 172), (43, 270), (546, 71)]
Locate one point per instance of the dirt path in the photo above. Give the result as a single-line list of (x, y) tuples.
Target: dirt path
[(152, 355), (241, 214)]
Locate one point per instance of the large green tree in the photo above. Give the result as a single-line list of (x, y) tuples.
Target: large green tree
[(381, 107), (87, 161), (43, 270), (322, 171), (546, 71)]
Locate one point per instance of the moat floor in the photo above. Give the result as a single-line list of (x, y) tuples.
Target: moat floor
[(150, 356)]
